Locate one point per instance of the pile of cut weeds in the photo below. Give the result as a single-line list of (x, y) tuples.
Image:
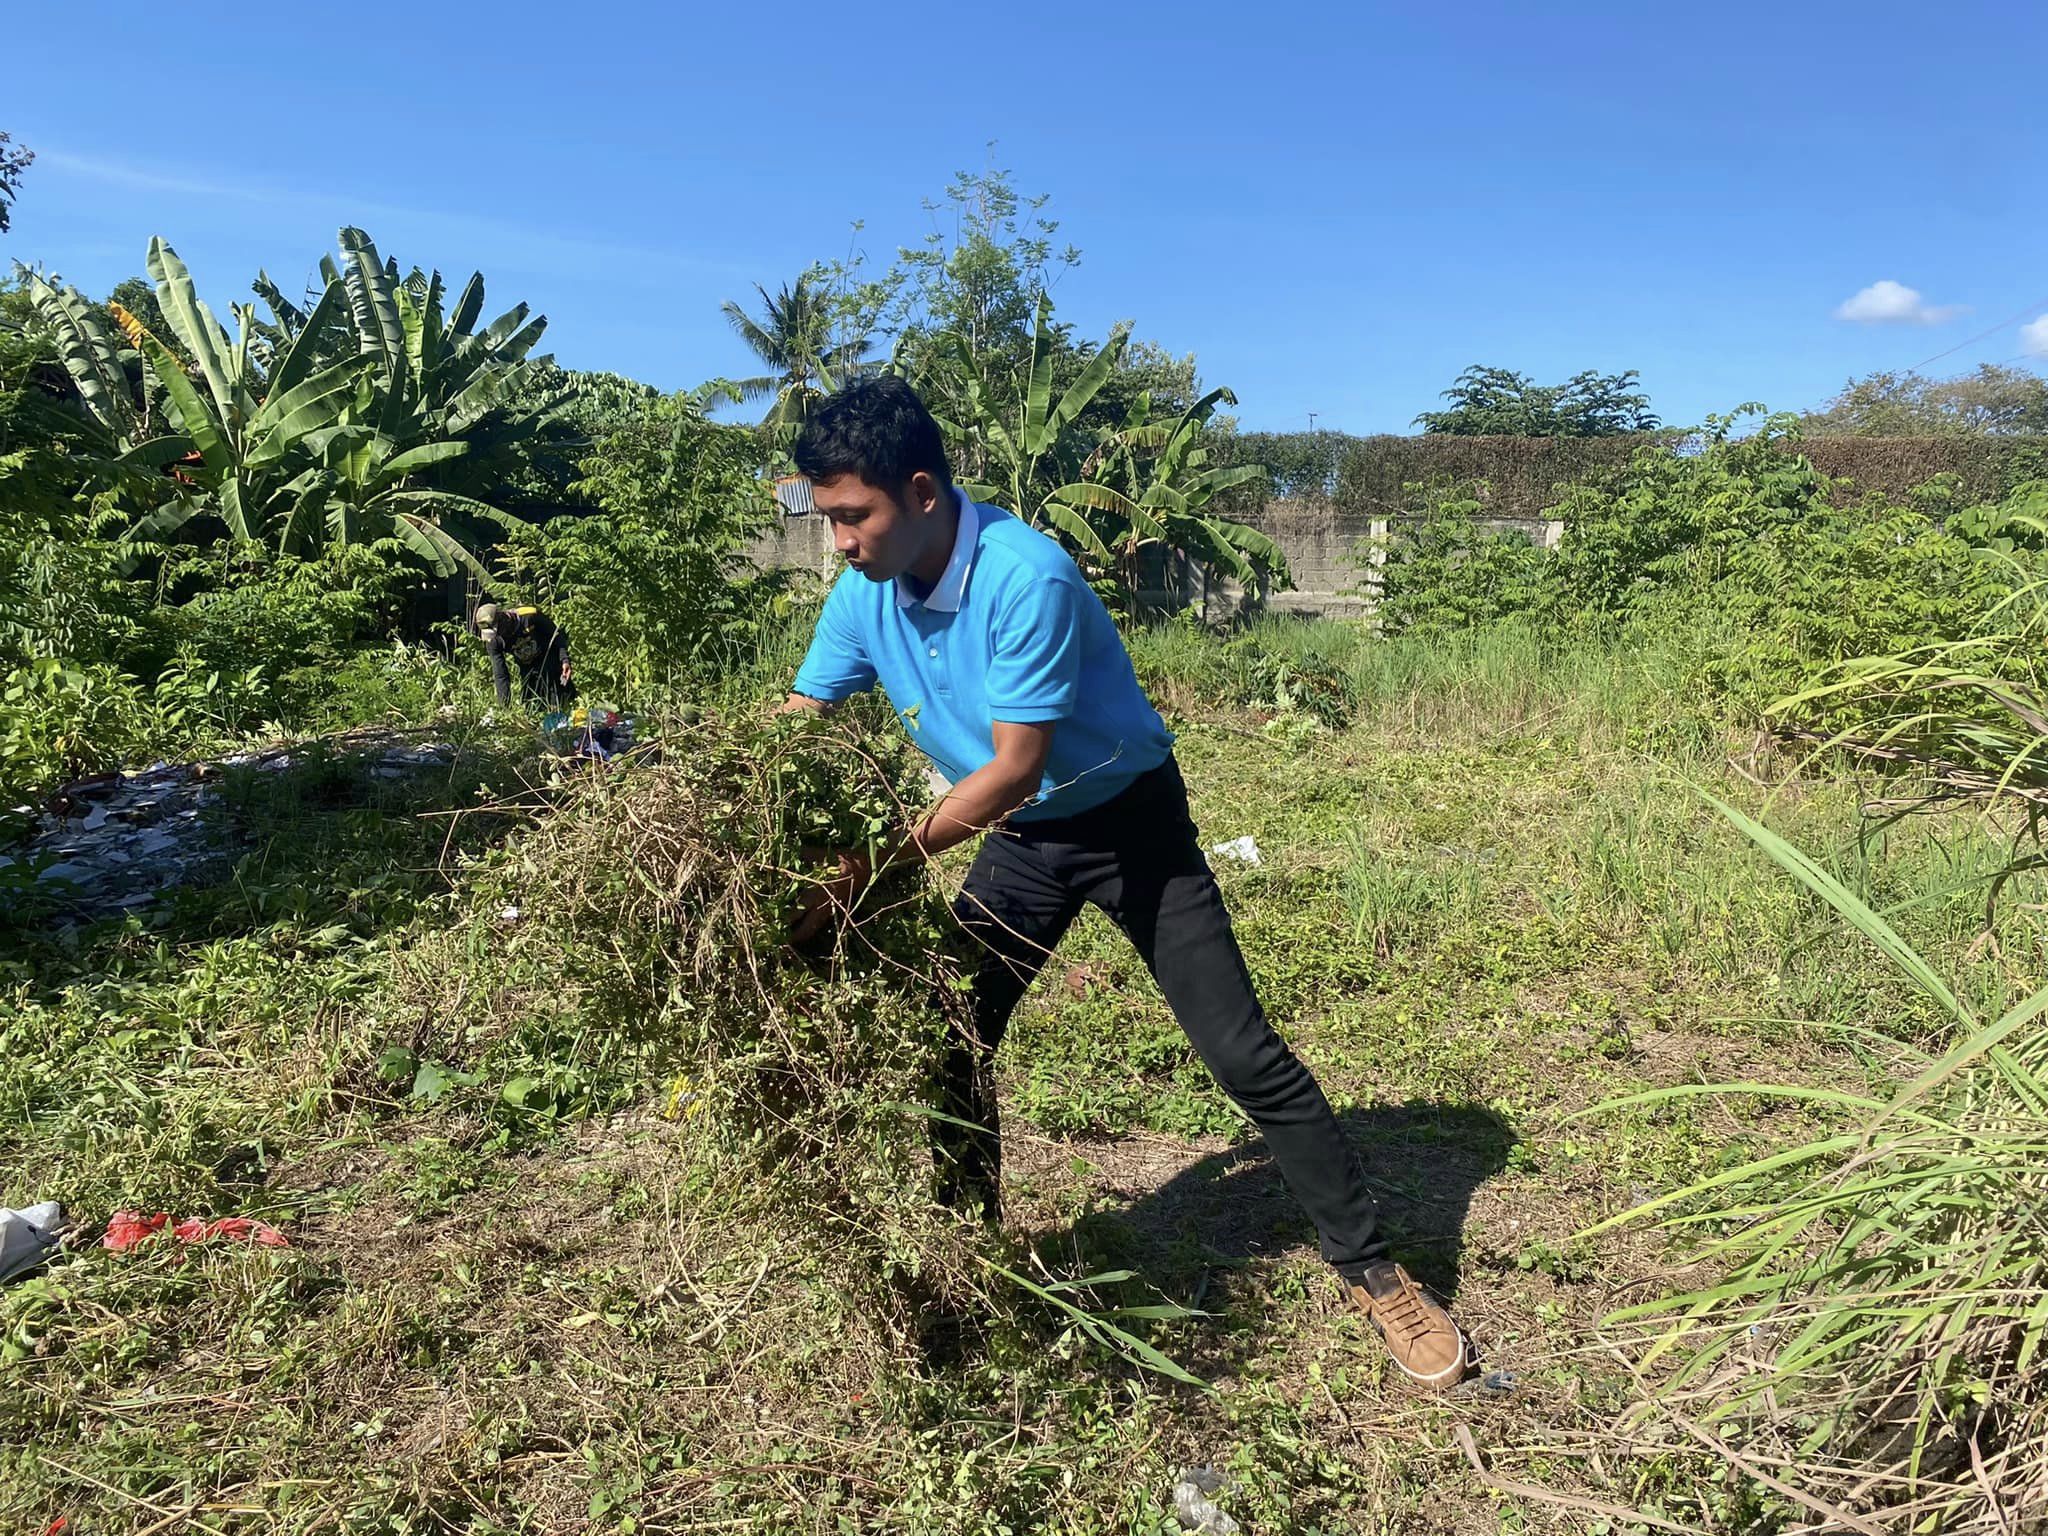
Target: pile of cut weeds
[(608, 1209)]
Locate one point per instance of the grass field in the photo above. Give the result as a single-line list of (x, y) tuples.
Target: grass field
[(525, 1294)]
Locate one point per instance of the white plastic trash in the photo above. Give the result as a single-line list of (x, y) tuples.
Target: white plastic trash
[(1241, 850), (27, 1237), (1194, 1501)]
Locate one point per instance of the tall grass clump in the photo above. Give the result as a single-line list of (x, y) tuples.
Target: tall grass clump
[(1874, 1326)]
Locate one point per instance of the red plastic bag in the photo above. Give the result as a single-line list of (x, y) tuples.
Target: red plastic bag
[(127, 1228), (197, 1229)]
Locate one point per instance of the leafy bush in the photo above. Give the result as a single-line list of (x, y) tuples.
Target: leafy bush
[(1807, 595), (656, 581), (59, 720), (1445, 569), (1275, 668), (1735, 556)]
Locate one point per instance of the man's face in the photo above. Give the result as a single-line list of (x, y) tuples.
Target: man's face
[(879, 534)]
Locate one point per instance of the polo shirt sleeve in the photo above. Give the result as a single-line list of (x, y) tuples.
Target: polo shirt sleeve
[(837, 665), (1034, 673)]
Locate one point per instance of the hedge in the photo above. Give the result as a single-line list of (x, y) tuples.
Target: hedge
[(1364, 475)]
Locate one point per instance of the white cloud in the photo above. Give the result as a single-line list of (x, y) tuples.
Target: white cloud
[(2034, 337), (148, 180), (1888, 303), (522, 248)]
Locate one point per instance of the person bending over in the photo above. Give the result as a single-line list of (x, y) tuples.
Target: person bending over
[(528, 639), (1010, 676)]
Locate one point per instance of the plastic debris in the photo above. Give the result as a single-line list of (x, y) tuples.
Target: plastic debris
[(1242, 850), (1194, 1501), (116, 842), (28, 1236), (593, 731), (131, 1229), (240, 1229), (1502, 1382), (125, 1229)]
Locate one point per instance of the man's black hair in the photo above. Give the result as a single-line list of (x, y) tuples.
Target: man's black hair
[(876, 429)]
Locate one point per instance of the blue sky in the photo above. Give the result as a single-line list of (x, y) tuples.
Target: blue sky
[(1336, 208)]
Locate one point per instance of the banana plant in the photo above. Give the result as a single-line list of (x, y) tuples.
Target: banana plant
[(237, 436), (441, 377), (1028, 457), (316, 425), (91, 357), (239, 423), (361, 492), (1150, 483)]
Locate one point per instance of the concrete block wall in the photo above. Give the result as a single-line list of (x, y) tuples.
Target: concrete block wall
[(796, 543), (1328, 551)]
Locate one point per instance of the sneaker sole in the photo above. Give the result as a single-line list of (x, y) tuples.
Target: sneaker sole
[(1443, 1378)]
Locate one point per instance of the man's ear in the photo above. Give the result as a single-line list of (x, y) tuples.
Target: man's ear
[(925, 493)]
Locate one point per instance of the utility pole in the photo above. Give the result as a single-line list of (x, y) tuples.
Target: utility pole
[(1311, 421)]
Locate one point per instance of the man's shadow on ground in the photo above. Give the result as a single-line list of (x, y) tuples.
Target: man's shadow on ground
[(1423, 1162)]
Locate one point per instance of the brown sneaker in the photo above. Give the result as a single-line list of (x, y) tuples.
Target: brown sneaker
[(1419, 1334)]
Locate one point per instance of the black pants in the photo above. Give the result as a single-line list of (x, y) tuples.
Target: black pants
[(1138, 859), (543, 687)]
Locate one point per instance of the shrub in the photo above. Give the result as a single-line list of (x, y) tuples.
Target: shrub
[(656, 581), (1444, 568)]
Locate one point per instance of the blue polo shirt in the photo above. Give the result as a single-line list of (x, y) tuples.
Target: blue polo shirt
[(1010, 632)]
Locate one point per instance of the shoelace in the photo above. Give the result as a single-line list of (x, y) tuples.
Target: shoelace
[(1403, 1313)]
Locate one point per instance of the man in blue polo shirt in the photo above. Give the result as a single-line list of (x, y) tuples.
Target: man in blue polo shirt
[(1009, 675)]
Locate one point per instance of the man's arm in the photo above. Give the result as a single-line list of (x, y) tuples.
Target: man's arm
[(501, 674), (984, 797), (973, 805)]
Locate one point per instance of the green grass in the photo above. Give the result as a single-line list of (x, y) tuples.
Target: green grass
[(1490, 898)]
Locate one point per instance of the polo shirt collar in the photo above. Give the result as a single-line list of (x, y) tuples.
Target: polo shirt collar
[(951, 589)]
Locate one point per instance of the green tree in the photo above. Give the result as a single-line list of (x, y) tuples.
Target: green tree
[(1149, 487), (1499, 402), (14, 159), (983, 268), (1994, 401), (584, 408), (803, 338), (965, 303), (656, 580)]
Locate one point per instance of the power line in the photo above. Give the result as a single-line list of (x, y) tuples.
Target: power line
[(2038, 304)]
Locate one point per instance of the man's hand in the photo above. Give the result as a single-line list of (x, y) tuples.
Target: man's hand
[(972, 806), (822, 903)]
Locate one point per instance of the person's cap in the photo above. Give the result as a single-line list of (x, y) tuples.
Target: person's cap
[(487, 615)]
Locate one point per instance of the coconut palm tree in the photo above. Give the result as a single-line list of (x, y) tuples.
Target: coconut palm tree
[(796, 336)]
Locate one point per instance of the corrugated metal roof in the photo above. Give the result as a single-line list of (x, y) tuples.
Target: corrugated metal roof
[(794, 493)]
